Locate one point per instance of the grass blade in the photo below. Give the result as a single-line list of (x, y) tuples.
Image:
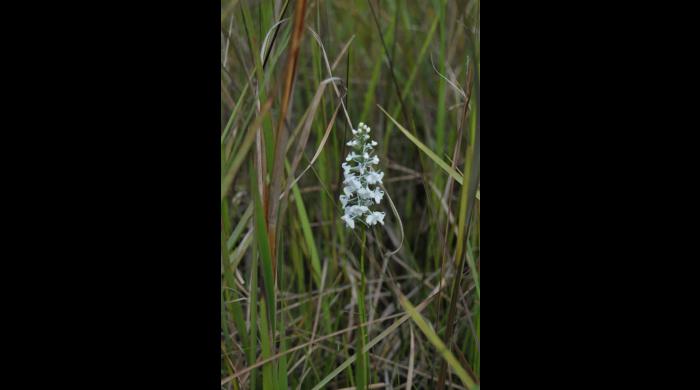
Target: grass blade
[(263, 242), (269, 379), (423, 148), (272, 201), (227, 179), (373, 342), (437, 343)]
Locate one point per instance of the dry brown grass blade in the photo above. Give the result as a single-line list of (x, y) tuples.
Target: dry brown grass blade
[(272, 201), (454, 86), (342, 52)]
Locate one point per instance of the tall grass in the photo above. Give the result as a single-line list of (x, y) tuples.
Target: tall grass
[(307, 303)]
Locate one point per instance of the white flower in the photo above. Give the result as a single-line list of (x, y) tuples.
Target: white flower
[(355, 211), (375, 217), (348, 221), (347, 168), (377, 195), (374, 177), (358, 197), (353, 182), (365, 193), (351, 156)]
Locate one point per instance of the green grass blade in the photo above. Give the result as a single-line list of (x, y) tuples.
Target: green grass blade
[(423, 148), (234, 114), (263, 242), (437, 343), (268, 368), (242, 224), (228, 177), (386, 332), (308, 235)]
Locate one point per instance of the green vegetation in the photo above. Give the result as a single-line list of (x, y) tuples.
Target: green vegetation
[(306, 302)]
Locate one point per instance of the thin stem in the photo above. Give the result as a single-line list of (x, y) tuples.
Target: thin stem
[(363, 363)]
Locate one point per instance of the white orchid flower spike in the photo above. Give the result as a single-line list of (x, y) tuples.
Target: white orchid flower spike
[(361, 187)]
